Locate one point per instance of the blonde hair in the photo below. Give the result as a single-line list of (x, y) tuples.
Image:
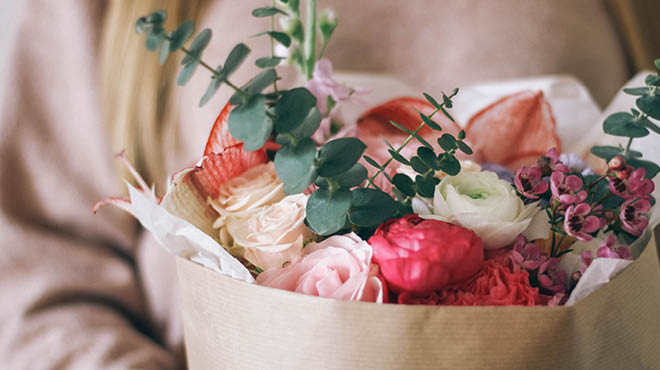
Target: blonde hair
[(135, 89)]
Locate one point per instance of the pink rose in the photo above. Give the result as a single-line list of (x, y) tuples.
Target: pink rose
[(339, 267), (420, 256)]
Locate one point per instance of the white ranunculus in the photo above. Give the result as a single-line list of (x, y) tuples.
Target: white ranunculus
[(257, 187), (270, 236), (483, 203)]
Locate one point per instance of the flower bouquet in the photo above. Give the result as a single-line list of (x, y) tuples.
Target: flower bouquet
[(402, 217)]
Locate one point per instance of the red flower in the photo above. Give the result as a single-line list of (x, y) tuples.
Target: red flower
[(495, 285), (421, 256)]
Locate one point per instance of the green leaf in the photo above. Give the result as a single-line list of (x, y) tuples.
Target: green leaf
[(447, 142), (606, 152), (326, 212), (449, 164), (200, 42), (371, 161), (430, 122), (181, 35), (157, 17), (413, 134), (353, 177), (310, 124), (404, 184), (370, 207), (432, 100), (234, 59), (268, 62), (425, 186), (624, 124), (280, 37), (255, 85), (186, 72), (267, 12), (250, 124), (461, 135), (428, 157), (651, 168), (418, 165), (398, 157), (155, 39), (164, 51), (339, 155), (637, 91), (295, 166), (657, 63), (211, 90), (292, 109), (652, 80), (447, 101), (649, 105), (446, 113), (650, 125), (464, 147)]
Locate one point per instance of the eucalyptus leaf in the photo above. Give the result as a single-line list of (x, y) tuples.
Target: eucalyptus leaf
[(650, 125), (250, 124), (372, 161), (268, 62), (165, 51), (370, 207), (267, 12), (339, 155), (326, 212), (428, 157), (650, 105), (234, 59), (398, 157), (295, 166), (447, 101), (637, 91), (624, 124), (429, 122), (606, 152), (447, 142), (181, 35), (651, 168), (464, 147), (158, 17), (652, 80), (353, 177), (200, 42), (280, 37), (432, 100), (461, 135), (292, 109), (210, 91), (186, 72), (413, 134), (155, 39), (425, 186), (405, 184), (449, 164), (255, 85), (418, 165), (657, 63)]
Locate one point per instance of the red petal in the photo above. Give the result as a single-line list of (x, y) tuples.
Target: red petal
[(220, 138), (188, 197), (514, 130)]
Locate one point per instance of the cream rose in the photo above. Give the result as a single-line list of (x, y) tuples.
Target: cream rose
[(269, 236), (339, 267), (257, 187), (483, 203)]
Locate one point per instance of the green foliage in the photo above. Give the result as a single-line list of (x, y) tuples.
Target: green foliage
[(606, 152), (429, 122), (256, 85), (327, 212), (353, 177), (370, 207), (405, 184), (624, 124), (250, 124), (267, 12), (651, 168), (268, 62), (280, 37), (339, 155), (233, 61), (292, 109), (295, 165), (649, 104)]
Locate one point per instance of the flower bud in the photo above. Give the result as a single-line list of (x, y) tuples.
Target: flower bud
[(623, 174), (617, 163)]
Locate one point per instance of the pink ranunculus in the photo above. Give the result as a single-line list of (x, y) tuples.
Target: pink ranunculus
[(633, 218), (420, 256), (580, 223), (529, 182), (566, 189), (339, 267)]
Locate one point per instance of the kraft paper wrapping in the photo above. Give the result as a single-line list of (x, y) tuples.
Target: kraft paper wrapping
[(230, 324)]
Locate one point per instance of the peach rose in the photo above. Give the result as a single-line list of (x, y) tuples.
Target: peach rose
[(339, 267)]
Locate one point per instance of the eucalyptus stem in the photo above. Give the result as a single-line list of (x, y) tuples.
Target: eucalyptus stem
[(238, 90), (310, 39), (628, 146), (399, 149), (272, 43)]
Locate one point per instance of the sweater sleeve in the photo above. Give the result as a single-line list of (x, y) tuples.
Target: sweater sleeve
[(68, 283)]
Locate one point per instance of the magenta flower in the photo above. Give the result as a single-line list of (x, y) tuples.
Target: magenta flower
[(633, 216), (627, 184), (552, 278), (611, 249), (529, 182), (551, 162), (567, 188), (586, 258), (526, 255), (579, 223)]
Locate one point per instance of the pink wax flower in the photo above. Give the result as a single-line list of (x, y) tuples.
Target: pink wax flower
[(566, 189), (551, 277), (629, 184), (526, 255), (611, 249), (339, 267), (579, 223), (421, 256), (529, 182), (323, 85), (633, 218), (551, 163)]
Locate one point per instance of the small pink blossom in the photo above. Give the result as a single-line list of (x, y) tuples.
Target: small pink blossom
[(633, 216), (526, 255), (551, 277), (586, 258), (566, 189), (629, 184), (529, 182), (579, 223), (610, 249), (551, 162)]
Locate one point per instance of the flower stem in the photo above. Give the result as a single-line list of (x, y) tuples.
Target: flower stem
[(272, 43), (310, 39), (628, 147)]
